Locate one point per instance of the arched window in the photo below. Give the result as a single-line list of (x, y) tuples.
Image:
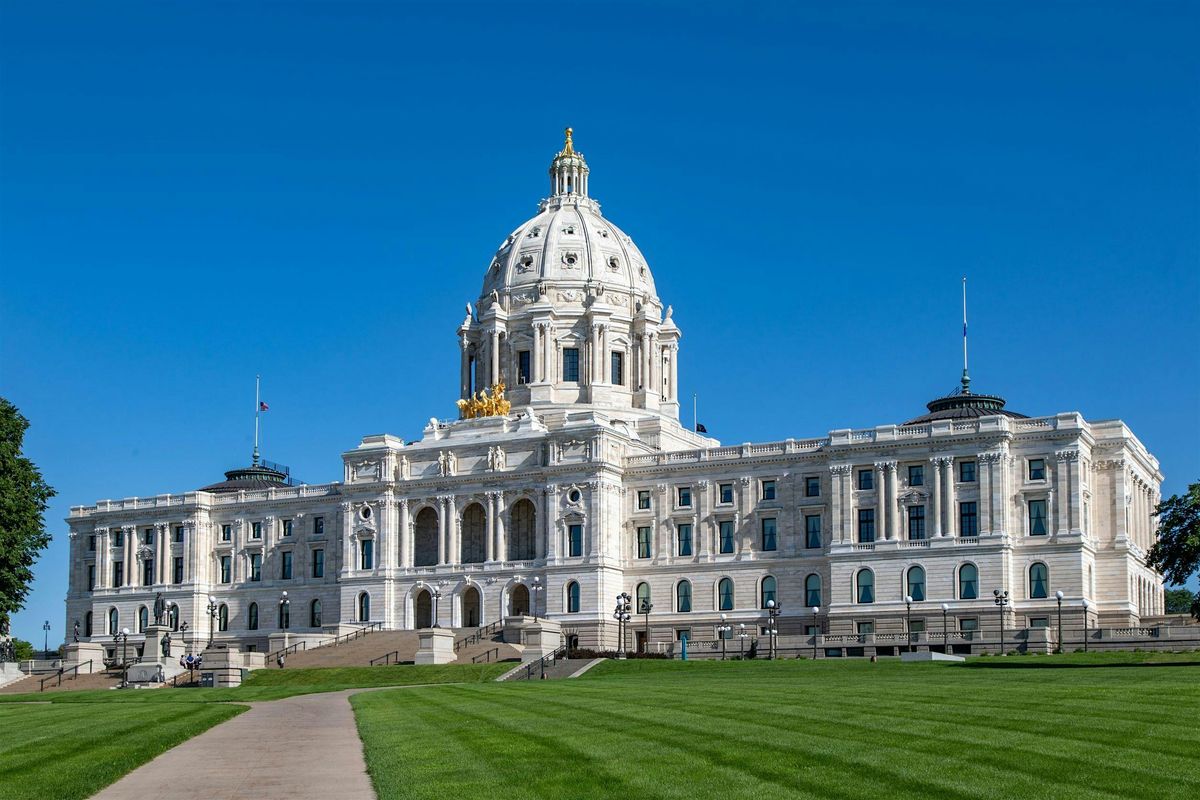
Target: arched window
[(143, 619), (725, 594), (643, 598), (114, 621), (916, 584), (473, 534), (968, 582), (223, 618), (87, 624), (572, 598), (252, 617), (364, 607), (425, 538), (866, 586), (522, 531), (314, 614), (812, 590), (1039, 581), (173, 616), (768, 591), (683, 597)]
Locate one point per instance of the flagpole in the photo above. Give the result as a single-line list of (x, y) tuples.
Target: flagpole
[(257, 409), (695, 419), (966, 379)]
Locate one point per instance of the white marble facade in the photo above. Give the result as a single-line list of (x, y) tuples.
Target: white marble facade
[(591, 487)]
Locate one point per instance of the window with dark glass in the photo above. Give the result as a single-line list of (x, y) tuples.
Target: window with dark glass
[(252, 617), (226, 533), (148, 536), (725, 493), (572, 598), (1039, 582), (118, 573), (256, 566), (643, 598), (1037, 518), (223, 618), (114, 621), (570, 365), (148, 572), (916, 583), (966, 471), (87, 624), (768, 591), (684, 495), (285, 565), (968, 582), (768, 490), (91, 577), (812, 590), (314, 613), (864, 628), (226, 569), (575, 540), (683, 597), (812, 532), (178, 534), (916, 475), (1037, 469), (143, 619), (968, 627), (866, 525), (177, 570), (287, 527), (866, 479), (1039, 622), (118, 538), (643, 542), (256, 530), (523, 371), (318, 525), (768, 534), (725, 595), (812, 486), (683, 534), (643, 499), (92, 542), (726, 531), (368, 553), (916, 522), (618, 369), (968, 519), (318, 563), (866, 586)]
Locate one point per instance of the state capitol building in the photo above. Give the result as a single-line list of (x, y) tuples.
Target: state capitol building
[(575, 482)]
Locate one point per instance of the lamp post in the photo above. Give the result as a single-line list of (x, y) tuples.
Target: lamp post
[(437, 595), (647, 606), (742, 643), (285, 616), (1085, 625), (908, 620), (622, 615), (212, 618), (816, 629), (537, 589), (945, 629), (1002, 601), (46, 638), (723, 630), (1059, 597), (773, 611), (123, 638)]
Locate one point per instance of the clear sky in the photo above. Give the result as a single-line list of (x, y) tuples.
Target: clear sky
[(191, 194)]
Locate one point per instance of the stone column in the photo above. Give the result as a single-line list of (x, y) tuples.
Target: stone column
[(837, 501), (442, 528), (455, 531), (490, 541), (881, 504), (936, 468), (544, 524), (465, 369), (539, 331), (494, 353), (1062, 493), (983, 477), (501, 530), (406, 535)]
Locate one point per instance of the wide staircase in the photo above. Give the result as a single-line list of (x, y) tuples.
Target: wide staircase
[(381, 648), (49, 682)]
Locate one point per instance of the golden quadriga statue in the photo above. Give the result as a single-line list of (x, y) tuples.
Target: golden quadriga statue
[(481, 404)]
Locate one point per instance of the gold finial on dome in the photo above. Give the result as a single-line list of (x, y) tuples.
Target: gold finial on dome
[(568, 148)]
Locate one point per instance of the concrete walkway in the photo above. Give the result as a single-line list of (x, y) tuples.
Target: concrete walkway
[(300, 748)]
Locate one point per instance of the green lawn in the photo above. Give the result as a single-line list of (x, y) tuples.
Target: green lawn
[(840, 729), (66, 752)]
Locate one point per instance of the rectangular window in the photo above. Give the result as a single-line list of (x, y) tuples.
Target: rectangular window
[(318, 563), (916, 476), (1037, 518), (148, 536), (726, 528), (118, 538), (523, 372), (1039, 622), (1037, 469), (865, 628), (178, 534), (812, 532), (866, 525), (768, 490), (768, 534), (643, 542), (91, 579), (812, 486), (118, 573), (368, 554), (226, 533), (570, 365), (966, 471), (287, 527), (916, 522), (92, 543), (866, 479), (285, 565), (618, 369), (256, 566), (575, 540), (226, 569), (916, 626), (684, 534), (148, 572), (725, 493), (643, 499), (967, 627), (968, 520), (256, 530), (177, 570), (685, 497), (319, 526)]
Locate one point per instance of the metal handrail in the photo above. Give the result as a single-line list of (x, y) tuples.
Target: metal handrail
[(291, 648), (386, 658), (478, 635), (366, 628), (540, 665), (59, 675), (486, 657)]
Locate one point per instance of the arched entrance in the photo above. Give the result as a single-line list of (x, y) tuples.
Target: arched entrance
[(474, 534), (425, 538), (523, 520), (423, 609), (519, 602), (472, 608)]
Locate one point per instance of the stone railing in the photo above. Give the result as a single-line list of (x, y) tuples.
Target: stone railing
[(786, 447)]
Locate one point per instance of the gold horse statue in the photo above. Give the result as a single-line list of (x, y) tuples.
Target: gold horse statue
[(481, 404)]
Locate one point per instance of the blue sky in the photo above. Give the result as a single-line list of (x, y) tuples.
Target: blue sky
[(191, 194)]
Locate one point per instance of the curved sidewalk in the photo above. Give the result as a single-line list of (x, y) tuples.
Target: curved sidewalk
[(299, 748)]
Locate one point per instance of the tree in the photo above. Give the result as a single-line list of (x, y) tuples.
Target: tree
[(1176, 553), (1179, 601), (23, 650), (23, 499)]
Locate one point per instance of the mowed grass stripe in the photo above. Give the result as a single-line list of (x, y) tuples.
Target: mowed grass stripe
[(800, 729)]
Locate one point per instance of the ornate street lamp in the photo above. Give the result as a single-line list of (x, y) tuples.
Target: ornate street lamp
[(1002, 601), (1059, 597), (723, 631), (816, 629), (622, 615), (646, 608), (908, 620), (773, 611), (285, 616), (437, 595), (945, 629), (1086, 622), (212, 618), (46, 638), (123, 638), (537, 589), (742, 635)]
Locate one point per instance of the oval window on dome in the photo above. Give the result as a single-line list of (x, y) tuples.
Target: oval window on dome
[(365, 512), (614, 263), (574, 496), (570, 259)]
